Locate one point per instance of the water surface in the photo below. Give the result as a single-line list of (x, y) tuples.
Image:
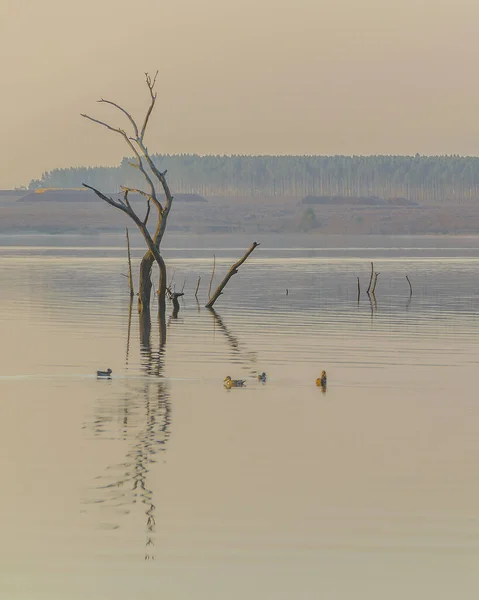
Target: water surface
[(162, 481)]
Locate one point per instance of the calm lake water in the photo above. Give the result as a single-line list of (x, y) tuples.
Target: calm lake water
[(162, 483)]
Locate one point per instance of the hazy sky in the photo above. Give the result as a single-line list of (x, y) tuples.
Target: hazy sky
[(252, 76)]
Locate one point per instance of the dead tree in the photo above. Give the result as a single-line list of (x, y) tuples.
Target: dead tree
[(233, 270), (150, 172)]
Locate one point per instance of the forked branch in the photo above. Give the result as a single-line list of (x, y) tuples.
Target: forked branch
[(151, 87), (127, 209), (136, 144)]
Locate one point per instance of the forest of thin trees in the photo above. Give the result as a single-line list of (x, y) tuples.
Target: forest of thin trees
[(434, 179)]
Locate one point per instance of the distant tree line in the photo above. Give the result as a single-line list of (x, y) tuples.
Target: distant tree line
[(420, 178)]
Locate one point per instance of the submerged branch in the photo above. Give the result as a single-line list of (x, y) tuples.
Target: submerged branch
[(375, 280), (371, 278), (410, 286), (212, 275), (233, 270), (197, 287)]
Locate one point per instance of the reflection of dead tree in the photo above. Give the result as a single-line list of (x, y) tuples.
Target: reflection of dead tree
[(233, 270), (145, 329), (144, 163), (130, 307), (372, 304), (152, 438), (130, 274), (151, 359), (150, 403), (233, 341)]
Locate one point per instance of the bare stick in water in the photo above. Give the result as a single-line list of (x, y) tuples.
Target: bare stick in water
[(410, 286), (373, 289), (370, 279), (233, 270), (212, 275), (171, 280), (359, 289), (197, 287), (130, 274)]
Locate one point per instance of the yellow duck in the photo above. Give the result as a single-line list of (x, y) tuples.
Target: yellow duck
[(230, 383), (323, 380)]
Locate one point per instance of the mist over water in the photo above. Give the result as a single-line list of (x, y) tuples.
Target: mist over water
[(162, 480)]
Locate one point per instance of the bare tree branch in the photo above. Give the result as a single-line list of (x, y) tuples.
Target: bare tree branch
[(135, 152), (125, 112), (158, 174), (151, 86), (117, 204), (127, 202), (147, 213), (142, 193), (102, 123)]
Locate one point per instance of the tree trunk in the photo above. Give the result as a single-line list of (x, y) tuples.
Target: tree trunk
[(162, 284), (145, 284), (145, 331)]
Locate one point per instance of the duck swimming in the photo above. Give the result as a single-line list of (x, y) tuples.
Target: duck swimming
[(262, 377), (323, 380), (106, 373), (229, 383)]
